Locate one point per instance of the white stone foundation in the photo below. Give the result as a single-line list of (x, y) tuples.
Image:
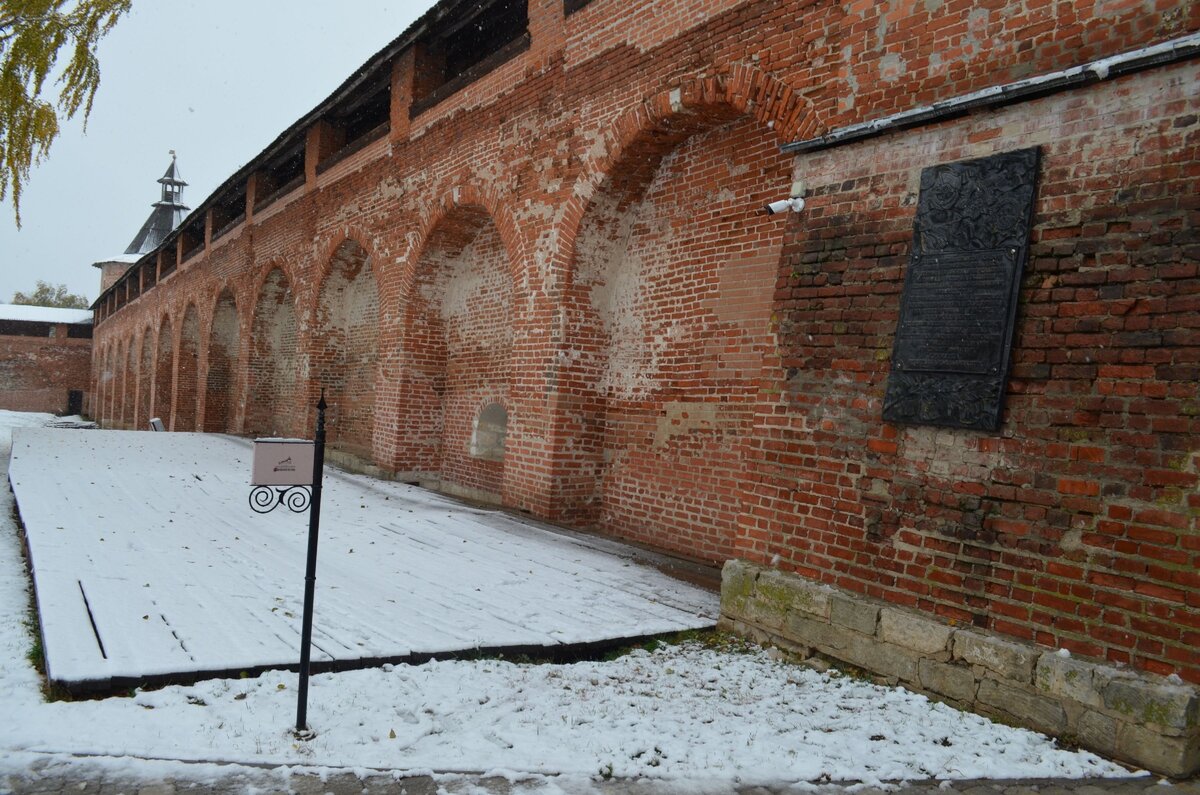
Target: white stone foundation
[(1147, 721)]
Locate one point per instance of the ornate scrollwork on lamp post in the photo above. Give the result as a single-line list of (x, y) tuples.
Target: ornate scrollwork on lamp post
[(264, 499)]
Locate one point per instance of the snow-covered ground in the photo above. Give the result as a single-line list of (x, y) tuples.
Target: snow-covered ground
[(696, 718), (148, 560)]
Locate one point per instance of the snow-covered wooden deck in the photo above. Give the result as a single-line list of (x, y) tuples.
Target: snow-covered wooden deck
[(148, 562)]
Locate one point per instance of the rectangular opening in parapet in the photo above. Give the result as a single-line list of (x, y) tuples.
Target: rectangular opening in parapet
[(282, 174), (26, 328), (149, 273), (571, 6), (361, 118), (193, 238), (168, 259), (464, 49), (228, 212)]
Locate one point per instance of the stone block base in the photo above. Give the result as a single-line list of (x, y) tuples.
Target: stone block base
[(1147, 721)]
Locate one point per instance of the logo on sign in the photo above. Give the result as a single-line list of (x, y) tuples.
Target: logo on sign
[(282, 463)]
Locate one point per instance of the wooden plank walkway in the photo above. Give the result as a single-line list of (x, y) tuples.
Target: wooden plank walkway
[(148, 562)]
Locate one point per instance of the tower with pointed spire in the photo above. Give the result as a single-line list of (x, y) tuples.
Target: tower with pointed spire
[(168, 213)]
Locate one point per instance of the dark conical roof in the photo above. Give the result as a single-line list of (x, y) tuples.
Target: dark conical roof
[(167, 214), (171, 177)]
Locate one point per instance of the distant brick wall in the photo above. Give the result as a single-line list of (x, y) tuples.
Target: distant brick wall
[(575, 237), (38, 373)]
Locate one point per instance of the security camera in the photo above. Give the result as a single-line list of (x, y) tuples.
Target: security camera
[(794, 204)]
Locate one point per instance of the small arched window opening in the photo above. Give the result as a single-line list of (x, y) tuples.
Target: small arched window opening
[(491, 428)]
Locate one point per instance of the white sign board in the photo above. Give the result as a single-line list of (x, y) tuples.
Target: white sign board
[(282, 462)]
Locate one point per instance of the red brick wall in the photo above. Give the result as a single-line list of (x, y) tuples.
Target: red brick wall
[(673, 271), (574, 237), (145, 383), (36, 373), (220, 385), (345, 350), (1076, 524), (129, 398), (161, 405), (273, 393), (188, 369), (459, 323), (475, 304), (104, 376)]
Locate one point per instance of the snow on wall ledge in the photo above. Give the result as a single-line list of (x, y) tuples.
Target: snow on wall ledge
[(1148, 721)]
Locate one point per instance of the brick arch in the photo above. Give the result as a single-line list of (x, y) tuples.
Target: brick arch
[(224, 333), (95, 404), (465, 268), (465, 198), (665, 276), (329, 244), (145, 379), (100, 397), (129, 375), (343, 345), (207, 301), (481, 446), (664, 120), (187, 392), (109, 387), (274, 400), (164, 372), (260, 274), (121, 390), (96, 381), (108, 390)]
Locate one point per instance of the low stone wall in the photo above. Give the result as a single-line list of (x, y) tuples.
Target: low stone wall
[(1147, 721)]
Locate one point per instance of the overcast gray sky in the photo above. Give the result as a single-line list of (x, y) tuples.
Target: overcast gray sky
[(215, 80)]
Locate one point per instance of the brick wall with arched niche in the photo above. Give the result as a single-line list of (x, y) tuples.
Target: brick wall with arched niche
[(673, 275), (344, 351), (187, 395), (618, 164), (273, 393), (220, 382), (458, 342), (164, 374), (129, 386), (145, 382)]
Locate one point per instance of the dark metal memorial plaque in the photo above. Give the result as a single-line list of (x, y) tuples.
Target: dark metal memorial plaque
[(970, 241)]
